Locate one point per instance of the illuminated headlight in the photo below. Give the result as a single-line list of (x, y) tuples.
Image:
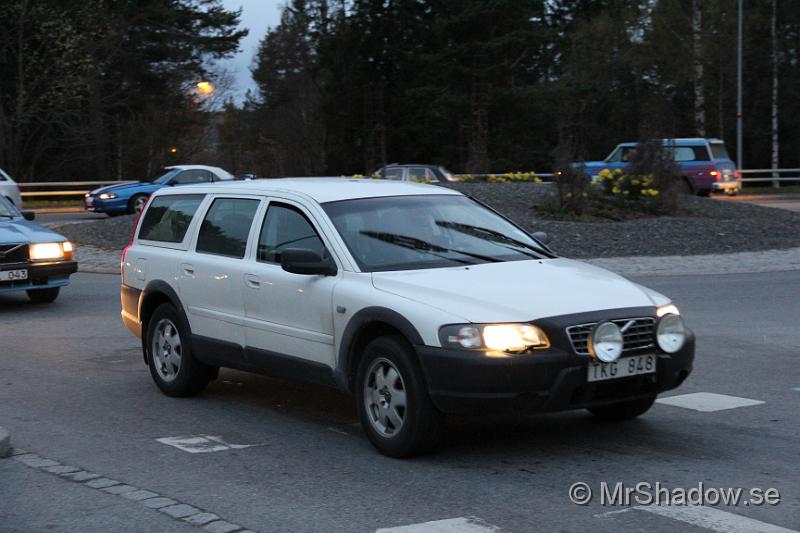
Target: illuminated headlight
[(605, 342), (668, 309), (107, 196), (509, 338), (50, 251), (671, 333)]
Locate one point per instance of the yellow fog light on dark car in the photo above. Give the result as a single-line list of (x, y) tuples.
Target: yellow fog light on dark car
[(50, 251)]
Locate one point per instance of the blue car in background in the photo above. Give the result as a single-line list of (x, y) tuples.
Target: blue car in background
[(131, 197), (33, 258), (704, 164)]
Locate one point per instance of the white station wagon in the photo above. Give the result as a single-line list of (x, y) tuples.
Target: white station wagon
[(417, 299)]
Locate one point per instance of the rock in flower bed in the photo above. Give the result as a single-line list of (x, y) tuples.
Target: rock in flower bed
[(706, 226)]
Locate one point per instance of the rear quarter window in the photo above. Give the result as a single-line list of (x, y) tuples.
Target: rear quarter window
[(168, 217), (719, 151), (689, 153)]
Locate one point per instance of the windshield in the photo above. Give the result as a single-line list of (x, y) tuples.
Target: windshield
[(164, 178), (7, 210), (435, 231)]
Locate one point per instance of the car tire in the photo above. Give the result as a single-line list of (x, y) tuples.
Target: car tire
[(388, 372), (43, 296), (623, 410), (169, 355), (136, 203), (686, 187)]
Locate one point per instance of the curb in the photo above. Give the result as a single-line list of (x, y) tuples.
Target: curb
[(5, 443)]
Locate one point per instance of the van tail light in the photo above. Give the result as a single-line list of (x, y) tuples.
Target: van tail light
[(715, 174), (130, 242), (737, 175)]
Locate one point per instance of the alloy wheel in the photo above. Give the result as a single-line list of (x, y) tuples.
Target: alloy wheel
[(166, 350), (385, 397)]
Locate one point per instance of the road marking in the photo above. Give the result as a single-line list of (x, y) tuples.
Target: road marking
[(202, 444), (708, 402), (713, 519), (468, 524), (183, 512)]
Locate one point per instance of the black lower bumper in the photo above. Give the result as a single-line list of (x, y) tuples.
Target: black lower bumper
[(464, 382)]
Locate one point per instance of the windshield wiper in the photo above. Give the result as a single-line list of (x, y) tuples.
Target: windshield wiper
[(413, 243), (491, 235)]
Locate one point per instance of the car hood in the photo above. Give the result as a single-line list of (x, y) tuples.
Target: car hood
[(123, 187), (24, 231), (518, 291)]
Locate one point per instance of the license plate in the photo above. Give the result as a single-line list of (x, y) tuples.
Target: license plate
[(622, 368), (13, 275)]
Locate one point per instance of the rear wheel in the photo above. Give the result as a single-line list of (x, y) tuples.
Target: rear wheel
[(43, 296), (623, 410), (169, 355), (395, 409), (686, 187), (137, 203)]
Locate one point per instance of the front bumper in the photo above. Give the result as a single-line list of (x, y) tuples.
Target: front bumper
[(40, 275), (462, 382), (96, 205)]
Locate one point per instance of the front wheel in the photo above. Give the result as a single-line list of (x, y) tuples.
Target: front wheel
[(43, 296), (623, 410), (396, 412), (169, 355), (137, 203)]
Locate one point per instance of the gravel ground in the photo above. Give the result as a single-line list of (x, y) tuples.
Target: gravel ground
[(709, 227)]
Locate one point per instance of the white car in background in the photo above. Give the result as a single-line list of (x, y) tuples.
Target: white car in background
[(9, 188)]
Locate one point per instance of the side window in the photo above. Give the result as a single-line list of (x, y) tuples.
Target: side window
[(689, 153), (615, 156), (226, 227), (417, 173), (168, 217), (394, 173), (284, 227), (188, 177)]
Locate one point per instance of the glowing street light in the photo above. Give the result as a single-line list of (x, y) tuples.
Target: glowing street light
[(205, 87), (173, 150)]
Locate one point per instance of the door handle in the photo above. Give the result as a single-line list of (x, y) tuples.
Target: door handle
[(252, 281), (188, 270)]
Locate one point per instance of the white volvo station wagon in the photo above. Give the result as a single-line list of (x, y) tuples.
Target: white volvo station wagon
[(417, 299)]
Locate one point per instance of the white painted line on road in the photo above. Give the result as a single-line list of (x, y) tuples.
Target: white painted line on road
[(202, 444), (468, 524), (707, 402), (713, 519)]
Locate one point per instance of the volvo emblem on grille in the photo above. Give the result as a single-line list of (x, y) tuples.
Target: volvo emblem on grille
[(627, 326)]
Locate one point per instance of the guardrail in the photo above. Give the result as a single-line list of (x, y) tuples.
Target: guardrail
[(68, 192), (774, 174)]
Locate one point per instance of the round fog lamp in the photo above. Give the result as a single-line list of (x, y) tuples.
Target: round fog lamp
[(671, 333), (605, 342)]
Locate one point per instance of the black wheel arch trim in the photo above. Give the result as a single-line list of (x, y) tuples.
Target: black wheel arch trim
[(157, 287), (355, 326)]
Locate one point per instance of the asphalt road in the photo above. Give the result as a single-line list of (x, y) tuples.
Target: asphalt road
[(73, 389), (790, 202)]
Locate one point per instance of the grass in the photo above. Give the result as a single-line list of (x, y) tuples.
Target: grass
[(42, 204), (768, 189)]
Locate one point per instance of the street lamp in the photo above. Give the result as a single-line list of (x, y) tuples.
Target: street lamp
[(205, 87)]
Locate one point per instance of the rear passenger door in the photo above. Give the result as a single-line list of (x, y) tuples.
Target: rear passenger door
[(211, 276), (288, 314)]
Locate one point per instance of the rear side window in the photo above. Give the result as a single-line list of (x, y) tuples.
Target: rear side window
[(226, 227), (719, 151), (286, 227), (689, 153), (168, 217)]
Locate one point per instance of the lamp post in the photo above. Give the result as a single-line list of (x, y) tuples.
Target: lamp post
[(739, 117)]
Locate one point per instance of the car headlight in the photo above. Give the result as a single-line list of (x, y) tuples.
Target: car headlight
[(671, 333), (508, 338), (107, 196), (668, 309), (605, 342), (50, 251)]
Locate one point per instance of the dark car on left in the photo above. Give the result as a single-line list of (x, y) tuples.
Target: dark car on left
[(33, 258)]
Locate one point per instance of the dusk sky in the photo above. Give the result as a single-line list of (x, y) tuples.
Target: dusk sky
[(257, 16)]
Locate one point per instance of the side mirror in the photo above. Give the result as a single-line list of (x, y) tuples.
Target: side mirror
[(542, 237), (307, 262), (28, 215)]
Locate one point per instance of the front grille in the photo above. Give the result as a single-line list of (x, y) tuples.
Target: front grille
[(638, 336), (11, 254)]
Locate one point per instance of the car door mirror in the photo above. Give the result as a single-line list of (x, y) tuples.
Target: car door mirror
[(307, 262), (542, 237), (28, 215)]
